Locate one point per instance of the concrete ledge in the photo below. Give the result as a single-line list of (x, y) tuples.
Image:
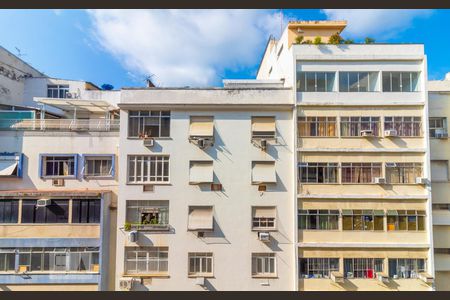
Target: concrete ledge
[(363, 150), (399, 197), (49, 242), (49, 278), (362, 245)]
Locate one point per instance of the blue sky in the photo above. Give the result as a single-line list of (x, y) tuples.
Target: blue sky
[(196, 48)]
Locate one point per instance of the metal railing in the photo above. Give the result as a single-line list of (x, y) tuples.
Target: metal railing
[(60, 124)]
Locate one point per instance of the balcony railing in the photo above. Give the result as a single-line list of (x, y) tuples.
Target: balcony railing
[(92, 125)]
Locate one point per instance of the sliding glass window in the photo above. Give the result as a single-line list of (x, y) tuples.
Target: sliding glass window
[(358, 81), (315, 81)]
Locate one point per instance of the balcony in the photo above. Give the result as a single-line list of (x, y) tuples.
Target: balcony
[(91, 125)]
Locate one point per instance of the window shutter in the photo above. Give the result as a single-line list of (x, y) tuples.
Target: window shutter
[(202, 126), (264, 172), (439, 170), (264, 124), (201, 172), (200, 218), (264, 212)]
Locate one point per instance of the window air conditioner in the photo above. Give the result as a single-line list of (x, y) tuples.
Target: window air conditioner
[(149, 142), (367, 133), (58, 182), (200, 281), (43, 202), (425, 277), (133, 236), (390, 133), (337, 277), (380, 180), (421, 180), (382, 277), (201, 143), (264, 237), (263, 144), (126, 283)]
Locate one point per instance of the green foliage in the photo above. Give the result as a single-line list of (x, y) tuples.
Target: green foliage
[(307, 42), (299, 39), (317, 40), (349, 41), (335, 39), (127, 226), (369, 40)]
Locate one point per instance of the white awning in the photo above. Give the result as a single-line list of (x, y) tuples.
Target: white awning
[(201, 172), (264, 124), (200, 218), (201, 126), (264, 172), (264, 212), (92, 106), (8, 167)]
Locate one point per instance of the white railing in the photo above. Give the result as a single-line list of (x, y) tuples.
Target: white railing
[(61, 125)]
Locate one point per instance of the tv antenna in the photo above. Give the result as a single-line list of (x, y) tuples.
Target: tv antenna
[(19, 52)]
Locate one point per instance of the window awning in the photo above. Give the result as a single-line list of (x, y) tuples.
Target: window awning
[(264, 212), (200, 218), (201, 172), (264, 172), (266, 124), (8, 167), (201, 126), (92, 106)]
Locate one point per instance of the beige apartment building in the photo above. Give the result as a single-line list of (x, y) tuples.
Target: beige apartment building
[(439, 112), (363, 202)]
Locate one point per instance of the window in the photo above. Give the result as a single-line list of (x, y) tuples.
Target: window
[(146, 260), (316, 126), (264, 218), (263, 128), (352, 126), (358, 81), (400, 81), (153, 213), (57, 90), (366, 219), (148, 169), (263, 172), (201, 218), (318, 172), (315, 81), (404, 126), (86, 210), (403, 172), (441, 206), (59, 259), (7, 260), (56, 212), (148, 123), (360, 172), (362, 267), (201, 126), (439, 170), (406, 267), (318, 267), (201, 172), (438, 126), (9, 211), (318, 219), (11, 165), (263, 264), (410, 220), (98, 166), (59, 166), (200, 264)]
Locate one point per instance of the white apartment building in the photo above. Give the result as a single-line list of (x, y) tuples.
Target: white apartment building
[(206, 189)]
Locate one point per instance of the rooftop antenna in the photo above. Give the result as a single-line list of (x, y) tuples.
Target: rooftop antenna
[(149, 80), (19, 52)]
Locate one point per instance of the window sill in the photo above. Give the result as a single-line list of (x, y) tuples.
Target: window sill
[(319, 183), (59, 177), (148, 183), (201, 275), (265, 276), (155, 138), (259, 229), (51, 273), (98, 177), (155, 275), (50, 224)]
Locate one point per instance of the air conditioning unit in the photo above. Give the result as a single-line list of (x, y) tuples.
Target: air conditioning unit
[(384, 278), (149, 142), (425, 277), (263, 144), (367, 133), (390, 133), (72, 95), (201, 143), (126, 283), (337, 277), (421, 180), (133, 236), (264, 237), (200, 281), (43, 202), (380, 180), (58, 182)]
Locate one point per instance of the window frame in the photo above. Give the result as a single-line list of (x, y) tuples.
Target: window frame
[(390, 123), (265, 259), (43, 165), (18, 157), (307, 214), (142, 115), (327, 172), (347, 124), (92, 157), (363, 215), (305, 81), (408, 262), (358, 81), (323, 267), (92, 217), (401, 214), (432, 129), (402, 170), (373, 166), (46, 215), (313, 123), (390, 89), (136, 206), (147, 159), (11, 215), (203, 258), (58, 88), (158, 255), (364, 265)]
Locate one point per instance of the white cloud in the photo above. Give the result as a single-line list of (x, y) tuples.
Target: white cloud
[(377, 23), (184, 47)]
